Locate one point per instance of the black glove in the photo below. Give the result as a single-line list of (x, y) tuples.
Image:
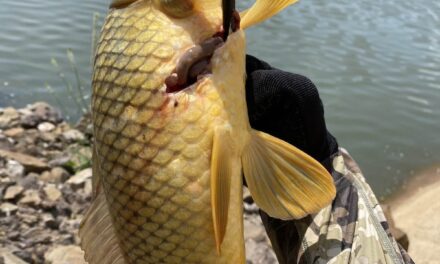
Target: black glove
[(287, 106)]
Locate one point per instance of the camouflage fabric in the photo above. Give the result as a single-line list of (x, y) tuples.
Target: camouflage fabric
[(353, 229)]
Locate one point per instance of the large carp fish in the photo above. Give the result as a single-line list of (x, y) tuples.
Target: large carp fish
[(173, 139)]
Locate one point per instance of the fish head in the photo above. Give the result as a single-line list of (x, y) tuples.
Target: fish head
[(210, 10), (147, 41), (143, 43), (200, 18), (160, 31)]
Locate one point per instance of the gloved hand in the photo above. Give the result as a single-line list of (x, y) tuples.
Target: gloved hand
[(287, 106)]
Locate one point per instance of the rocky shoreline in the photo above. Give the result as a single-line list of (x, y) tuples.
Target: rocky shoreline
[(45, 189)]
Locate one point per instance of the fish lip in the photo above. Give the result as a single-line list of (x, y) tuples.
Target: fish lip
[(191, 87), (193, 64), (203, 76), (181, 77)]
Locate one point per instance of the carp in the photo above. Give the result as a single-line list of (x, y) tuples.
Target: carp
[(172, 138)]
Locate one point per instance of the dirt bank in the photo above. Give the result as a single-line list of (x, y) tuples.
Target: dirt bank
[(416, 210)]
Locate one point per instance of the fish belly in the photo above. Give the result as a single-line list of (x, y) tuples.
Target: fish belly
[(153, 150)]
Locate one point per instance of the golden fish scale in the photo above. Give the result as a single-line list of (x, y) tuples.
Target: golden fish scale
[(154, 148)]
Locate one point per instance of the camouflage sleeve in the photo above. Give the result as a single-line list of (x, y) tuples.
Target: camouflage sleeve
[(353, 229)]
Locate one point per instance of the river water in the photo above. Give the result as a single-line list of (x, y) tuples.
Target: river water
[(377, 66)]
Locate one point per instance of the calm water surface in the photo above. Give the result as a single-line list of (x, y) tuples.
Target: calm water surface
[(377, 67)]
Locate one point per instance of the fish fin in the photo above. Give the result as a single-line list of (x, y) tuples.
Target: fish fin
[(121, 3), (222, 168), (96, 179), (285, 182), (262, 10), (98, 236)]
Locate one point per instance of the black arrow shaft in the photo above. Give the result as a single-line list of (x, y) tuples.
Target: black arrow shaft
[(228, 7)]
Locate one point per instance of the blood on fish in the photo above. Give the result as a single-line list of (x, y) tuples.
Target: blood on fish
[(163, 107)]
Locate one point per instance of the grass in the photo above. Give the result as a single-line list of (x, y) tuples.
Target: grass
[(75, 89)]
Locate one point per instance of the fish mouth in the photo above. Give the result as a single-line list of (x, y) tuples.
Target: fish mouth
[(195, 63)]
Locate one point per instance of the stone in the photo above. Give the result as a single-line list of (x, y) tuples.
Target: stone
[(41, 211), (66, 239), (49, 221), (31, 197), (6, 209), (14, 132), (63, 209), (251, 208), (47, 205), (48, 137), (259, 253), (85, 124), (88, 188), (46, 176), (30, 181), (8, 118), (36, 235), (69, 225), (27, 142), (254, 229), (65, 255), (27, 216), (6, 142), (31, 164), (24, 255), (5, 181), (247, 198), (9, 258), (14, 235), (52, 193), (45, 127), (39, 112), (59, 161), (55, 175), (73, 135), (14, 169), (59, 174), (13, 192), (62, 127), (79, 179), (78, 157)]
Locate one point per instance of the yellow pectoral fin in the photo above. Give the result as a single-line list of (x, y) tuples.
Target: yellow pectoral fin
[(222, 170), (285, 182), (262, 10)]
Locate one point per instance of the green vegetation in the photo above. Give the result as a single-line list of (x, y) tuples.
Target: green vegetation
[(76, 90)]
